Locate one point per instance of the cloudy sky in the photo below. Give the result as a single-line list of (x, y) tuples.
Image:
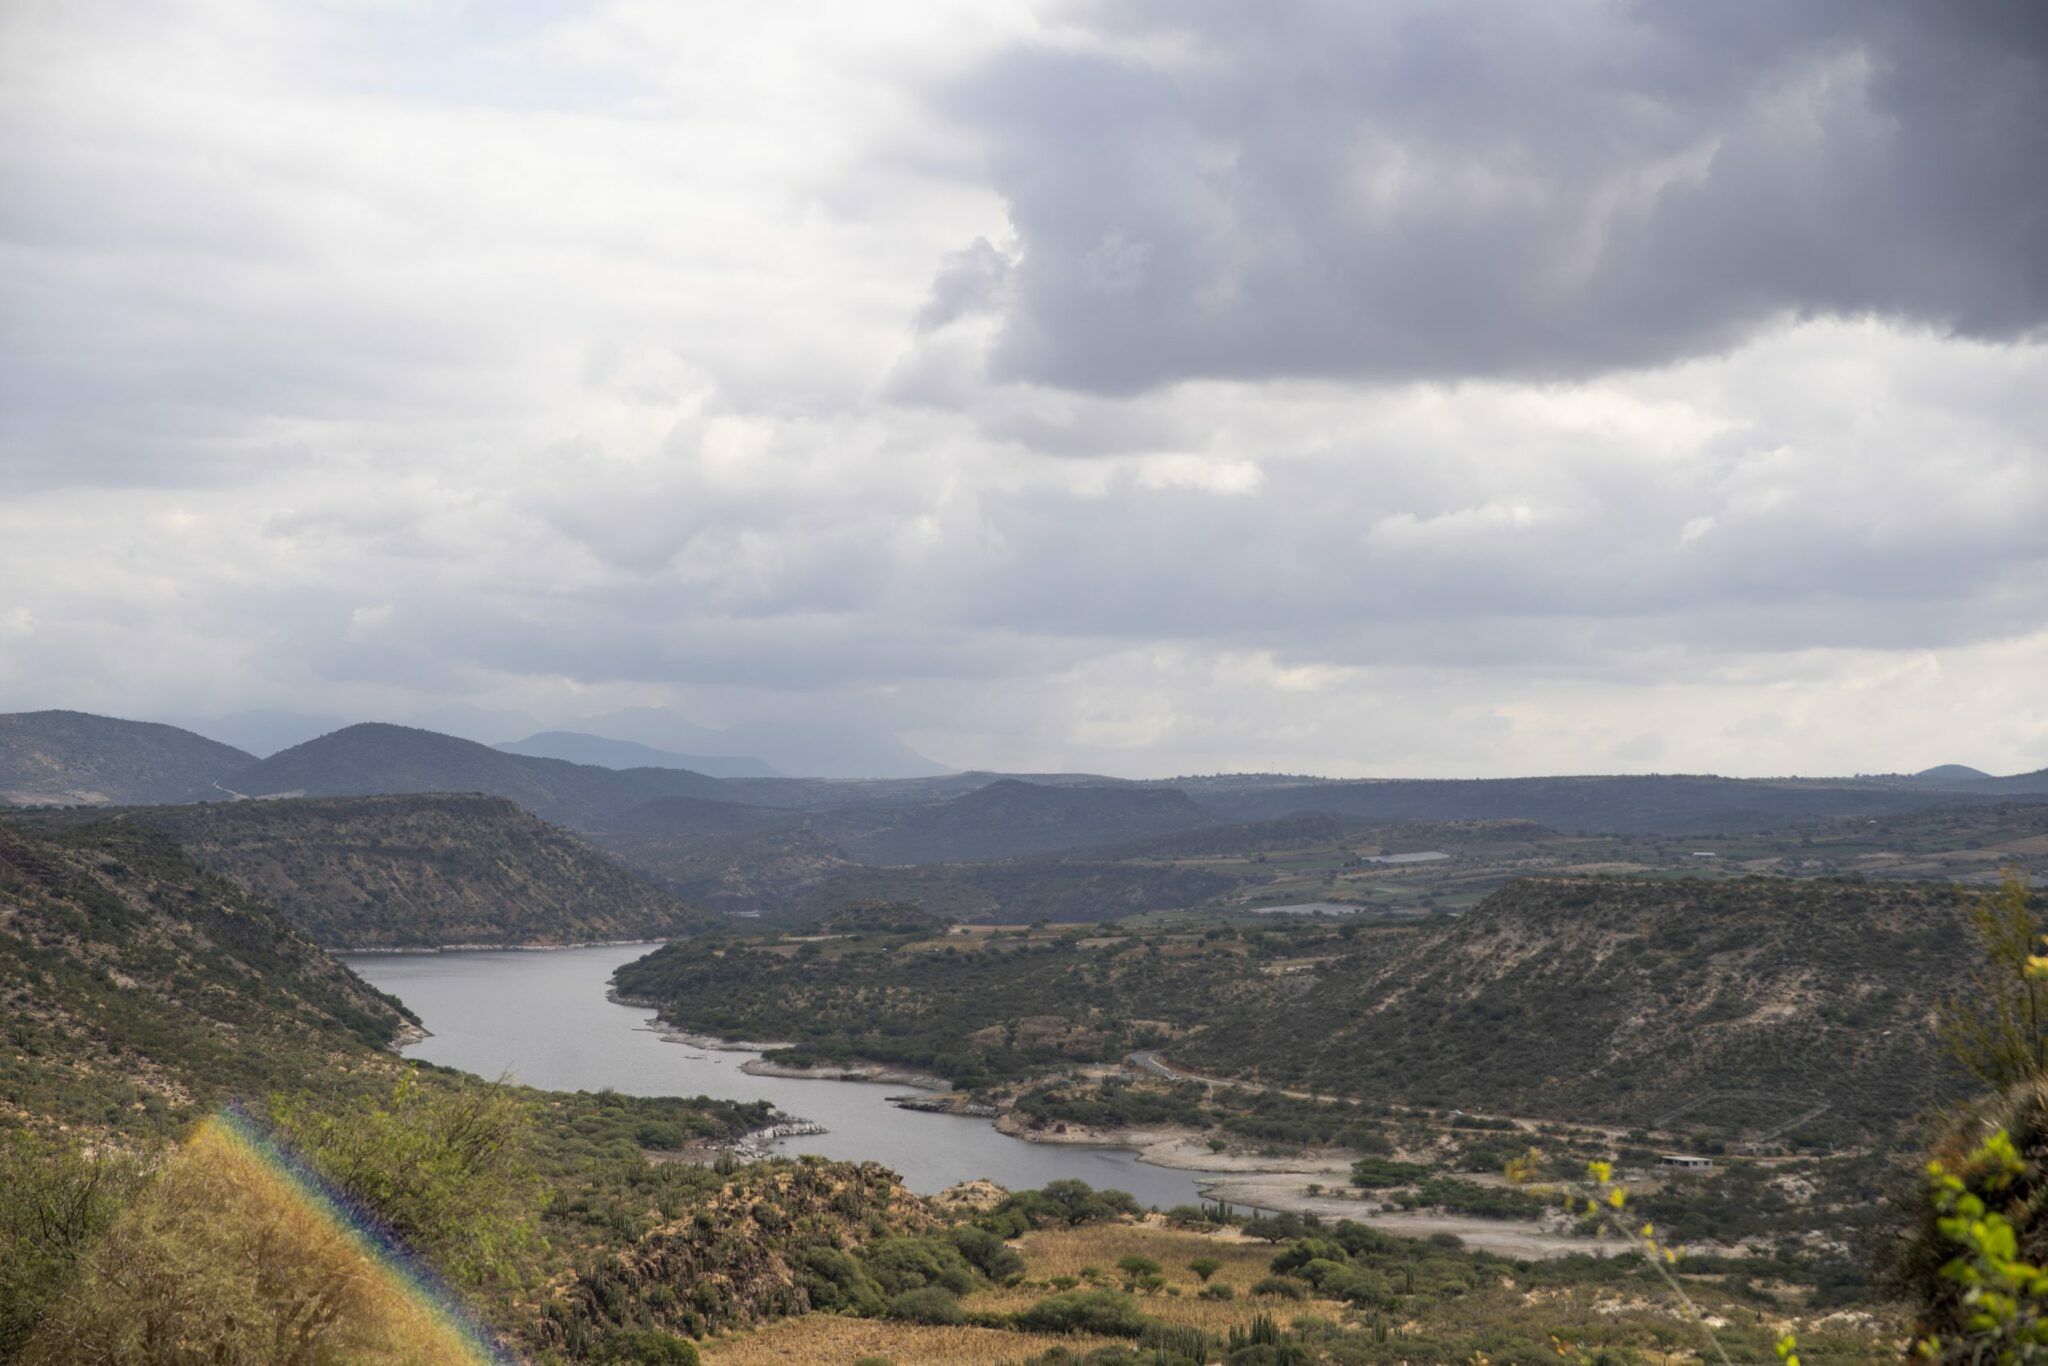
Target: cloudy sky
[(1147, 386)]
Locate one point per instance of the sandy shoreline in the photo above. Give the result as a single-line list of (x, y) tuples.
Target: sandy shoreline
[(874, 1072), (1279, 1182)]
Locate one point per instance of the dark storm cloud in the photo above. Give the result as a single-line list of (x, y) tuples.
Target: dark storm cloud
[(1494, 188)]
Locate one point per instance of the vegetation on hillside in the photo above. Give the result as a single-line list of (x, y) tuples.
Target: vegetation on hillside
[(419, 871), (975, 1007), (68, 757), (1740, 1009)]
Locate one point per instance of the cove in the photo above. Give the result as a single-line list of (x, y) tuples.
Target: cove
[(543, 1018)]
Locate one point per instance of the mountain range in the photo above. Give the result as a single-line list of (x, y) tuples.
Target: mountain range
[(658, 814), (75, 758), (602, 752), (662, 737), (404, 872)]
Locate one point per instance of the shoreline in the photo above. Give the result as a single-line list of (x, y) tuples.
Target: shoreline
[(880, 1073), (391, 950), (858, 1071)]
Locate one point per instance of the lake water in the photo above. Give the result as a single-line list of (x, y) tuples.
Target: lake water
[(543, 1017)]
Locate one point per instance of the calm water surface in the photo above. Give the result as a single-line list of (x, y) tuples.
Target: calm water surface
[(543, 1018)]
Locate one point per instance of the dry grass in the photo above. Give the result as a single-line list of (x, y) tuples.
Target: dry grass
[(1063, 1252), (227, 1257), (819, 1339)]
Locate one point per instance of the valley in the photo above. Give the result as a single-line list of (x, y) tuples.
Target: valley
[(1363, 1064)]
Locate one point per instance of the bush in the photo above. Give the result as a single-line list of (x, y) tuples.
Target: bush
[(1112, 1313), (1306, 1250), (1281, 1287), (448, 1169), (1219, 1292), (646, 1347), (988, 1254), (834, 1280), (927, 1305), (911, 1263), (54, 1201), (1378, 1173)]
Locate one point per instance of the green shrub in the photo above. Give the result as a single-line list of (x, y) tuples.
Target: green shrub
[(928, 1304), (646, 1347), (1111, 1313), (1281, 1287)]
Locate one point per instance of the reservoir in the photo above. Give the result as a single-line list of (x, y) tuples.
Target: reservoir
[(544, 1019)]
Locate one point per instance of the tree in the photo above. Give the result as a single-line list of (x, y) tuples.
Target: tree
[(1136, 1268), (1204, 1268), (448, 1169), (1998, 1024), (54, 1200)]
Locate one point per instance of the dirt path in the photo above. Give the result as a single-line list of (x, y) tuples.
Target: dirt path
[(1150, 1063), (1286, 1192)]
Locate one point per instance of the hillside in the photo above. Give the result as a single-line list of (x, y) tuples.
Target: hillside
[(1674, 804), (1732, 1007), (1634, 1001), (603, 752), (72, 757), (140, 987), (376, 758), (1009, 818), (791, 875), (421, 871)]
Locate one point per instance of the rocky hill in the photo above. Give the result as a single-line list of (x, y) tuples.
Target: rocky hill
[(419, 871), (138, 987), (72, 757), (377, 758), (1734, 1006)]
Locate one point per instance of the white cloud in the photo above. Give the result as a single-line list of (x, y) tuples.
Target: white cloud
[(362, 362)]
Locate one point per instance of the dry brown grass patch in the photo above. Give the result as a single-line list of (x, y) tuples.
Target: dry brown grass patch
[(832, 1340)]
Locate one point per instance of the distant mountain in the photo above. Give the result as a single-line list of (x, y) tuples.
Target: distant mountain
[(485, 725), (1949, 773), (374, 758), (2019, 784), (1673, 804), (1008, 818), (262, 732), (70, 757), (608, 753), (808, 751), (416, 871)]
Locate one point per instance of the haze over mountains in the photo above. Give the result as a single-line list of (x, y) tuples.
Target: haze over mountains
[(578, 748), (633, 737)]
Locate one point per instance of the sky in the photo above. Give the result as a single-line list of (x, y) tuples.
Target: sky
[(1141, 386)]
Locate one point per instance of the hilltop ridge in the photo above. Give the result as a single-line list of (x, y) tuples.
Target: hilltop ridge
[(77, 758), (416, 871)]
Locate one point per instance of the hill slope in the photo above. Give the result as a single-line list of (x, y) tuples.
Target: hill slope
[(1008, 818), (72, 757), (138, 985), (377, 758), (421, 871), (608, 753), (1673, 804), (1628, 1000)]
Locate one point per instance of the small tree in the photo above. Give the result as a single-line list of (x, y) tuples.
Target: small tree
[(1136, 1268), (1998, 1024), (1204, 1268)]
